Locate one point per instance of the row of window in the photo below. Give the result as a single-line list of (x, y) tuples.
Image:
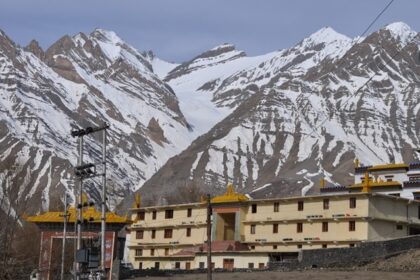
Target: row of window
[(139, 252), (300, 205), (169, 214), (167, 233), (201, 265), (299, 246), (299, 227)]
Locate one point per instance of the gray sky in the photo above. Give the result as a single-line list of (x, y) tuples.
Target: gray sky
[(177, 30)]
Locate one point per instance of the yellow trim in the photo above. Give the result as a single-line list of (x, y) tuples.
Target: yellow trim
[(90, 214), (388, 166), (229, 196), (365, 187)]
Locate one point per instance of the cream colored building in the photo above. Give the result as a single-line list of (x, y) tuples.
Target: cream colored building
[(249, 233)]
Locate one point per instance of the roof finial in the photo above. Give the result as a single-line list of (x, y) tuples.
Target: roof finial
[(322, 182), (356, 163), (137, 200)]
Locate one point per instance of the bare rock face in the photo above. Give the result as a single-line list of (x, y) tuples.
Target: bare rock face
[(36, 49)]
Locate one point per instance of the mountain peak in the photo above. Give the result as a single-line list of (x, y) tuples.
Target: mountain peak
[(106, 36), (224, 46), (36, 49), (401, 31), (326, 35)]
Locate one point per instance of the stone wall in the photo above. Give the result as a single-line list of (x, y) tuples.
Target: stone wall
[(347, 257)]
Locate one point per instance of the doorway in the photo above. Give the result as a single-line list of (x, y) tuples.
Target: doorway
[(228, 264)]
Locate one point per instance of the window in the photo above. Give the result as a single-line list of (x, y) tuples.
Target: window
[(324, 226), (140, 216), (153, 233), (201, 265), (299, 227), (166, 251), (139, 234), (324, 246), (253, 229), (261, 266), (189, 212), (275, 228), (300, 205), (188, 232), (139, 252), (168, 233), (252, 247), (254, 208), (169, 214), (251, 265), (351, 245), (154, 215), (177, 265), (274, 247), (352, 202), (152, 252), (157, 264), (140, 265), (276, 206), (326, 204), (399, 227), (299, 246), (352, 225)]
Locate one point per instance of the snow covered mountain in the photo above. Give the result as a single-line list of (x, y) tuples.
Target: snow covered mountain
[(301, 114), (81, 81), (271, 124)]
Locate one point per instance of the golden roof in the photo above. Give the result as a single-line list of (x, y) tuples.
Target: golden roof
[(89, 213), (229, 196), (388, 166)]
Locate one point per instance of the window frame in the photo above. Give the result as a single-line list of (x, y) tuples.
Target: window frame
[(352, 203), (139, 234), (276, 207), (254, 208), (169, 213), (167, 233), (301, 205), (253, 229), (299, 227), (324, 226), (326, 204), (352, 225)]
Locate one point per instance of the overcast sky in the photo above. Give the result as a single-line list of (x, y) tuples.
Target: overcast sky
[(177, 30)]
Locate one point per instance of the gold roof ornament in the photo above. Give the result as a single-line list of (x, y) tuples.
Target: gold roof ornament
[(137, 201), (322, 182), (366, 183), (229, 196), (356, 163)]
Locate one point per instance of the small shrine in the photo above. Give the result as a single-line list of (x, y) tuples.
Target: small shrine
[(51, 226)]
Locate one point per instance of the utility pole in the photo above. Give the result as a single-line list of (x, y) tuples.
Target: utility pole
[(63, 252), (86, 171), (103, 206), (79, 208), (209, 212)]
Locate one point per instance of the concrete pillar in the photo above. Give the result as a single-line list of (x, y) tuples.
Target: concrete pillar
[(238, 226), (214, 226)]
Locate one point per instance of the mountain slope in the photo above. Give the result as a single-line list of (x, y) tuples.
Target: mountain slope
[(82, 81), (294, 131)]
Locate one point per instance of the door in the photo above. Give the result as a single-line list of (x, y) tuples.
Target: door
[(228, 264), (187, 265)]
